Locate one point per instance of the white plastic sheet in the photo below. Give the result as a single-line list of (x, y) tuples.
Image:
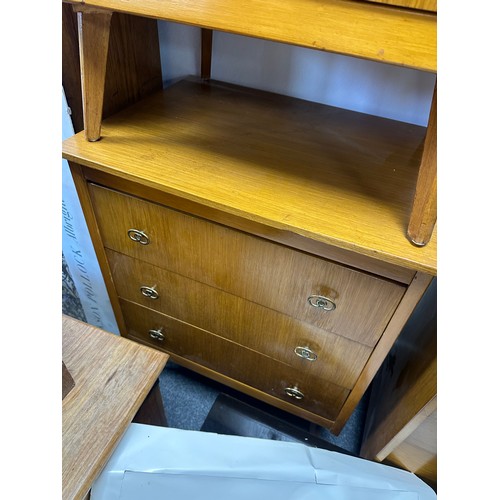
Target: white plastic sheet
[(159, 463)]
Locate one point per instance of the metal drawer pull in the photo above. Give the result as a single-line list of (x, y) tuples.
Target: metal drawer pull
[(138, 236), (156, 334), (293, 392), (322, 302), (150, 292), (305, 353)]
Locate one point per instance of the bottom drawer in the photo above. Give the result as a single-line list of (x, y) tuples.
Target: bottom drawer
[(313, 394)]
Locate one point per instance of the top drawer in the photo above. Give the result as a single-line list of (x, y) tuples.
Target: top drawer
[(356, 305)]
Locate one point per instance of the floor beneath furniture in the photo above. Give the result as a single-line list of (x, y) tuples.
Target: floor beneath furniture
[(194, 402)]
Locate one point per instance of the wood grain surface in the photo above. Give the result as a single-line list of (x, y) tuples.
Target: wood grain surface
[(417, 450), (133, 68), (412, 297), (292, 240), (93, 36), (362, 29), (250, 368), (247, 323), (272, 275), (401, 419), (430, 5), (112, 378), (338, 177)]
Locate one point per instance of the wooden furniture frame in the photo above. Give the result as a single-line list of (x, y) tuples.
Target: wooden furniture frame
[(401, 424), (376, 246), (389, 34)]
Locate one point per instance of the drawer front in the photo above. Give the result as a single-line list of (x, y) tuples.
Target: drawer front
[(241, 364), (358, 305), (276, 335)]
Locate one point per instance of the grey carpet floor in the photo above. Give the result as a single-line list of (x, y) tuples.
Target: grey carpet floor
[(188, 398)]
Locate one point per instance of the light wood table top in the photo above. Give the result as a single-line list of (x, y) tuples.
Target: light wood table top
[(113, 376)]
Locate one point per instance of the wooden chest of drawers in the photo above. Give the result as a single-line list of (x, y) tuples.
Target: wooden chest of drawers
[(298, 314)]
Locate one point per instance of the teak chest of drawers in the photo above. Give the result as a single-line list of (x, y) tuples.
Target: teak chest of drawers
[(258, 239)]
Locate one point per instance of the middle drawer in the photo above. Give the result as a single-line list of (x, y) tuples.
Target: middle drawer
[(281, 337)]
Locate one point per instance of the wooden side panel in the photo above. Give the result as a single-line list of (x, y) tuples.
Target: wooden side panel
[(134, 66), (407, 306), (404, 393), (418, 452)]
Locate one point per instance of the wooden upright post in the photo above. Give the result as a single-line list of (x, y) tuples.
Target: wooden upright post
[(93, 34), (206, 53), (424, 211)]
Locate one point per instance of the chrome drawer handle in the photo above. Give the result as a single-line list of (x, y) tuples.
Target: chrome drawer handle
[(305, 353), (138, 236), (293, 392), (322, 302), (149, 292), (156, 334)]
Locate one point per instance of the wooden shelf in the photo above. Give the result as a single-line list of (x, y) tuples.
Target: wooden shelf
[(335, 176), (369, 30)]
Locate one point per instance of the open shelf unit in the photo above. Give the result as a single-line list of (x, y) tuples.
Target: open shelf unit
[(338, 177)]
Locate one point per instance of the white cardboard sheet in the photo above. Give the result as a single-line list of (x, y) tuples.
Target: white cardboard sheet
[(159, 463)]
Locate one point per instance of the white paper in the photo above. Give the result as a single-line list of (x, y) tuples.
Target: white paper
[(160, 486), (153, 463)]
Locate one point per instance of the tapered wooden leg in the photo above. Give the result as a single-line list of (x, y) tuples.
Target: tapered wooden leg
[(424, 212), (93, 35), (206, 53)]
